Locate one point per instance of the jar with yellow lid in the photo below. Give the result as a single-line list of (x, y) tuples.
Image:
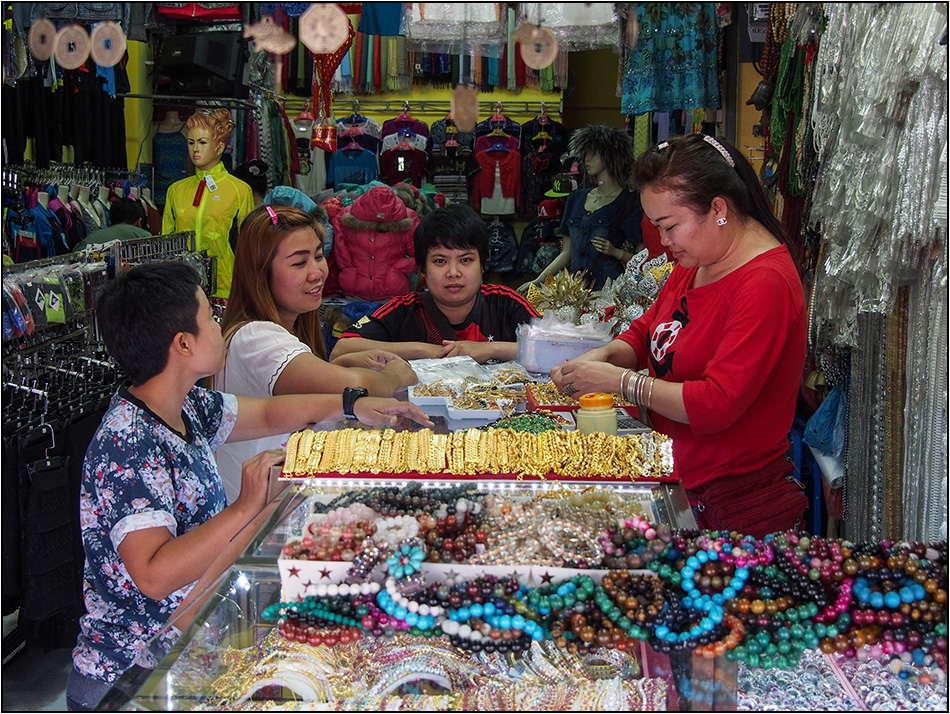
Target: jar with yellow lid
[(597, 414)]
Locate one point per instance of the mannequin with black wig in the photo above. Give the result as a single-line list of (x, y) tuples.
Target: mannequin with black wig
[(601, 222)]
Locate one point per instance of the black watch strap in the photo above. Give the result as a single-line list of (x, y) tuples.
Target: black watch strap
[(350, 395)]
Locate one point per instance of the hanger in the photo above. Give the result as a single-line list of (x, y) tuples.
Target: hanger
[(543, 116), (451, 135), (306, 114), (356, 117), (498, 146), (498, 113), (405, 139), (405, 113)]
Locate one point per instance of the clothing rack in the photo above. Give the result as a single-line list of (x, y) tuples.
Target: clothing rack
[(53, 400), (199, 102), (79, 325), (441, 107), (15, 175), (163, 247)]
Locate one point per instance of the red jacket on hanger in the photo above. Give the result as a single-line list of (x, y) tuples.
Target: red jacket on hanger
[(372, 241)]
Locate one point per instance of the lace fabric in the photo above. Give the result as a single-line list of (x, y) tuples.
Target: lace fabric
[(880, 118), (457, 28), (577, 26)]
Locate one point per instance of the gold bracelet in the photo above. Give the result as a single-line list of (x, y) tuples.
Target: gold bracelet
[(650, 394)]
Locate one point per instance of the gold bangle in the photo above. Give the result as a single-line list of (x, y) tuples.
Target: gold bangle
[(650, 393)]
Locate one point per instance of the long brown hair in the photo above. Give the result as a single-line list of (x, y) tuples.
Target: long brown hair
[(251, 298)]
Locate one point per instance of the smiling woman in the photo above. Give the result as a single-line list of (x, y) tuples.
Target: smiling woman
[(273, 329)]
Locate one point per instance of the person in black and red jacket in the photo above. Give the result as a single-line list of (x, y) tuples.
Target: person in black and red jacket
[(457, 314)]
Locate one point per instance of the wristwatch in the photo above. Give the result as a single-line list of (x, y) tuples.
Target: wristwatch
[(350, 395)]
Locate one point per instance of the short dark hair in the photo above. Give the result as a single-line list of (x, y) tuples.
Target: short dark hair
[(456, 226), (125, 210), (142, 310)]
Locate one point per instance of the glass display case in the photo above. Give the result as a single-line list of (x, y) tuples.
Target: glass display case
[(231, 627)]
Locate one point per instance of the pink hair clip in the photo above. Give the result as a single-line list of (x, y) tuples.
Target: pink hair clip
[(273, 214)]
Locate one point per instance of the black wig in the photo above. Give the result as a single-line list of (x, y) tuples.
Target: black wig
[(613, 146)]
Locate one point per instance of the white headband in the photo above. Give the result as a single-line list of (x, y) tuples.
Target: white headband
[(720, 148)]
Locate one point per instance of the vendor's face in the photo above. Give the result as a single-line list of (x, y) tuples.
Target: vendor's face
[(204, 151), (690, 236), (453, 276), (297, 274)]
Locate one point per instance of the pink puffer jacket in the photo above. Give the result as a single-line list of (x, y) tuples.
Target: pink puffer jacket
[(372, 240)]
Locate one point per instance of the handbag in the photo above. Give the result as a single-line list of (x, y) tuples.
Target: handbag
[(764, 501), (324, 137)]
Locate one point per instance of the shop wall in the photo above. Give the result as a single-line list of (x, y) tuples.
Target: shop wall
[(138, 112), (591, 97), (747, 116)]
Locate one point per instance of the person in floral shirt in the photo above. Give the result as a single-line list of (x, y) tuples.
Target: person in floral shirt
[(154, 517)]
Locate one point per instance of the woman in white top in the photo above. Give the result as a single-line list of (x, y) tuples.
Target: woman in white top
[(273, 330)]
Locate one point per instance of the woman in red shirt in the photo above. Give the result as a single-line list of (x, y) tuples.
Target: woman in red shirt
[(724, 344)]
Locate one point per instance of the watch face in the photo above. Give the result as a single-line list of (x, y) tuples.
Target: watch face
[(324, 27)]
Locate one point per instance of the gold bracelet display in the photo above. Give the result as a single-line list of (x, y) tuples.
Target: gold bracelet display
[(547, 394), (476, 451)]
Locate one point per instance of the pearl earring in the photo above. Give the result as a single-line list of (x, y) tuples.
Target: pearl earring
[(721, 221)]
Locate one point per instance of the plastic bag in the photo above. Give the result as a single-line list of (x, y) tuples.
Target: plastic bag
[(825, 435), (825, 429)]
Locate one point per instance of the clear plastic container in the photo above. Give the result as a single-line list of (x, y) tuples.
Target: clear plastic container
[(597, 414)]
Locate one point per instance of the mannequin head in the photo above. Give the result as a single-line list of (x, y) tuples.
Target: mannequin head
[(208, 133), (602, 150)]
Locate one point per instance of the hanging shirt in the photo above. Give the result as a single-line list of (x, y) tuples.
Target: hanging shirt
[(223, 202), (171, 151), (497, 187), (358, 166), (398, 165)]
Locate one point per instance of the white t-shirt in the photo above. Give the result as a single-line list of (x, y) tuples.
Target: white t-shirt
[(257, 354)]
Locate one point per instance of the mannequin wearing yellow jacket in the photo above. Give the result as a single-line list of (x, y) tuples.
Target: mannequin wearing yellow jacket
[(212, 203)]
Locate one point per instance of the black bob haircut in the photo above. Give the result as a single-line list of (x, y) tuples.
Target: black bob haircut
[(455, 226), (142, 310)]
